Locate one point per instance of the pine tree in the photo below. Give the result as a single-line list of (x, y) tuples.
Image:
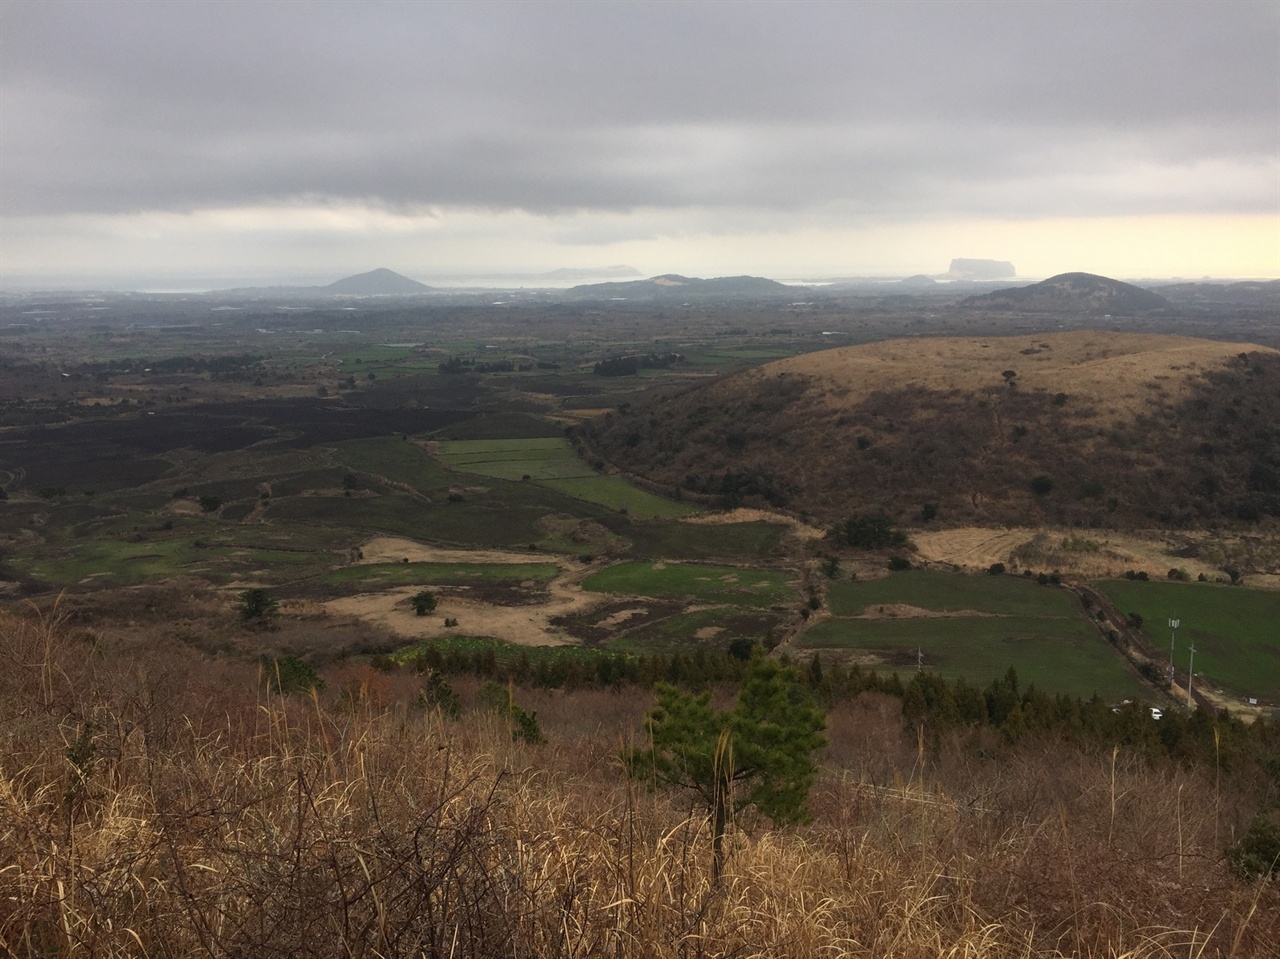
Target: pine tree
[(759, 753)]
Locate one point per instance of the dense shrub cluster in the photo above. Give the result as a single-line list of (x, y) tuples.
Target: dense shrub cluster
[(632, 364), (733, 488), (868, 531)]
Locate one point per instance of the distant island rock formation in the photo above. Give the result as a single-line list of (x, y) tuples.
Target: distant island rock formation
[(1072, 293), (966, 269)]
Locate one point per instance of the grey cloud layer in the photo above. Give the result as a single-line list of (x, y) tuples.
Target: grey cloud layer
[(898, 110)]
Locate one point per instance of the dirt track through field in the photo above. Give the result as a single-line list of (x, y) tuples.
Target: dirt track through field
[(744, 515)]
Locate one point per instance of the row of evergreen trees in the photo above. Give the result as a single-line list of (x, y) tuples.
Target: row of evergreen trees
[(929, 701)]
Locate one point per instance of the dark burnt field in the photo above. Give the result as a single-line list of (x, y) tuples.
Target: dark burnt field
[(128, 450)]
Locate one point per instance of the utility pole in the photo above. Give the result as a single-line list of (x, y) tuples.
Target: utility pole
[(1173, 635), (1191, 673)]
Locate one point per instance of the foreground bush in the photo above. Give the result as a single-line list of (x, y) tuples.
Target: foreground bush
[(156, 804)]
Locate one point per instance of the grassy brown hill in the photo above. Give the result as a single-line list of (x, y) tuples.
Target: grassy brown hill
[(1073, 293), (1089, 428)]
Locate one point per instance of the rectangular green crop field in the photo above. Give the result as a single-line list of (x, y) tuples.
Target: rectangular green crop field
[(1058, 655), (1236, 630), (952, 592)]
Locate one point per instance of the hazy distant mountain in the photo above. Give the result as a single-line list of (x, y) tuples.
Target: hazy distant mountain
[(920, 281), (674, 286), (1072, 293), (380, 282), (1209, 295), (586, 273)]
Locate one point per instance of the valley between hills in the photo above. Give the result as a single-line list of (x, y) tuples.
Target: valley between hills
[(519, 456), (322, 596)]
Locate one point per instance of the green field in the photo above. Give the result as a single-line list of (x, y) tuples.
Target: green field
[(1058, 655), (680, 632), (544, 458), (374, 353), (506, 653), (617, 494), (396, 460), (113, 563), (1038, 630), (552, 462), (754, 588), (1235, 630), (478, 522), (952, 592)]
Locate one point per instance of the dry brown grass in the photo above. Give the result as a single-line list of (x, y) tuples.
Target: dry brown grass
[(1111, 371), (158, 806), (1085, 429)]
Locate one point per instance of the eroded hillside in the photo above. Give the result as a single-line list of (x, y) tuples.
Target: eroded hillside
[(1088, 428)]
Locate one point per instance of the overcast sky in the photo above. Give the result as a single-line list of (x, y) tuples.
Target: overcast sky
[(179, 141)]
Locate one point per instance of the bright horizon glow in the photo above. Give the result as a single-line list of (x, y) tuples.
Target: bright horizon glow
[(274, 244)]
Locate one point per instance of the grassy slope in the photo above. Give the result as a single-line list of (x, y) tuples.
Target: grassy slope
[(356, 823)]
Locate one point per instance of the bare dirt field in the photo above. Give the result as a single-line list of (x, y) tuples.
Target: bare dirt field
[(394, 549), (521, 625), (1090, 553)]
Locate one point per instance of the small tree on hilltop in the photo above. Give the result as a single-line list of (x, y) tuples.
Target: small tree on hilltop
[(760, 753)]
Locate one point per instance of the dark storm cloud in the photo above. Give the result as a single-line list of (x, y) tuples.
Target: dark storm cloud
[(866, 109)]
